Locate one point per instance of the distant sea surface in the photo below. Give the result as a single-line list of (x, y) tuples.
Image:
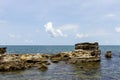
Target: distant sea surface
[(107, 69)]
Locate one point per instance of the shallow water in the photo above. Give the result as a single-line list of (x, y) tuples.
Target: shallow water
[(107, 69)]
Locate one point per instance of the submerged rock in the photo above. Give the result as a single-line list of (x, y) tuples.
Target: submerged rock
[(108, 54)]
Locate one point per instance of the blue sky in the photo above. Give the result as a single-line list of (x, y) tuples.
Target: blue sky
[(59, 22)]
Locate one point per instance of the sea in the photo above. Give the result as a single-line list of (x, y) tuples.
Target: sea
[(106, 69)]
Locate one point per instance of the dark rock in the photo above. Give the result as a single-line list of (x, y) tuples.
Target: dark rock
[(10, 66), (55, 60), (48, 63), (87, 46), (108, 54), (92, 53), (3, 50), (42, 67), (55, 55)]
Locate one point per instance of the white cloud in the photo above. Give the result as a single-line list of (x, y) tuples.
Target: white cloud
[(54, 32), (81, 35), (117, 29)]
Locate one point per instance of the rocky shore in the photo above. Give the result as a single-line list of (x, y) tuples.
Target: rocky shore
[(83, 53)]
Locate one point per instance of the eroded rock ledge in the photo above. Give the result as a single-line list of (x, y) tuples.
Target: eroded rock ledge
[(84, 52)]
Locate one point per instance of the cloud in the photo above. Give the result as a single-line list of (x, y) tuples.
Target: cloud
[(67, 29), (81, 35), (117, 29), (52, 31)]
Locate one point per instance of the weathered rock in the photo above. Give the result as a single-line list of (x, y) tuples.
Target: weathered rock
[(11, 62), (42, 67), (47, 63), (3, 50), (55, 58), (87, 46), (60, 57), (84, 52), (108, 54), (66, 56), (10, 66), (77, 60)]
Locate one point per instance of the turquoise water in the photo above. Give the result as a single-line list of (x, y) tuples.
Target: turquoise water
[(107, 69)]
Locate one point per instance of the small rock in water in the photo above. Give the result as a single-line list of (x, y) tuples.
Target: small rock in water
[(108, 54)]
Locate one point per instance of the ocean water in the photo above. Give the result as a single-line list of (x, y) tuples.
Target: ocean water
[(106, 69)]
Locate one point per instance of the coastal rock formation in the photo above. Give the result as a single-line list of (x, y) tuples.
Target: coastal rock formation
[(11, 62), (87, 46), (2, 50), (108, 54), (84, 52)]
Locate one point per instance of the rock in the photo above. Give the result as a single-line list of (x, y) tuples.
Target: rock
[(66, 56), (47, 56), (108, 54), (10, 66), (80, 56), (78, 60), (42, 67), (60, 57), (3, 50), (87, 46), (83, 53), (34, 58), (55, 60), (47, 63), (10, 62)]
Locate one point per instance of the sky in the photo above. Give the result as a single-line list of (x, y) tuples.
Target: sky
[(59, 22)]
